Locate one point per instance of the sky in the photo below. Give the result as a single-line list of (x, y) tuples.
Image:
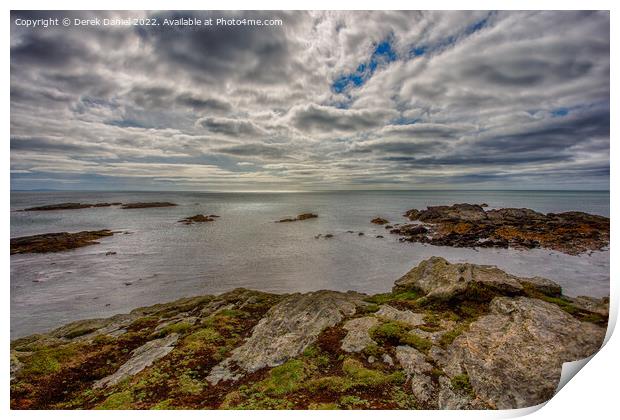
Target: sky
[(325, 101)]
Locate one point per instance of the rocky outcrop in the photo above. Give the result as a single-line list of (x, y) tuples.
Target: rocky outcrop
[(470, 225), (147, 205), (199, 218), (513, 356), (286, 330), (56, 242), (69, 206), (141, 357), (449, 336), (304, 216)]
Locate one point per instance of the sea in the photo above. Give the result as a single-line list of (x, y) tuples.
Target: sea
[(157, 259)]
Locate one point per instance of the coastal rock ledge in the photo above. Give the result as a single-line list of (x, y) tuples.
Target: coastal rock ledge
[(448, 336)]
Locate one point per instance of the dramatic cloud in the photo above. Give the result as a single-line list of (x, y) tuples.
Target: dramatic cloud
[(326, 100)]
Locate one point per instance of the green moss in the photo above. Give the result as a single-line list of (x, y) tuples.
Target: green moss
[(118, 401), (398, 333), (353, 402), (284, 379), (360, 375), (179, 328), (373, 350), (451, 335), (382, 298), (143, 322), (461, 383), (201, 338), (48, 360), (322, 406), (168, 404), (189, 386), (417, 342), (367, 309)]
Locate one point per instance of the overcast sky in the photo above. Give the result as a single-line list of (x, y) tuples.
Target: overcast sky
[(355, 100)]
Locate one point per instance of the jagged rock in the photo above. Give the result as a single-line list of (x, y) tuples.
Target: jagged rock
[(513, 356), (141, 357), (390, 313), (358, 337), (387, 359), (418, 370), (469, 225), (541, 285), (287, 329), (438, 279)]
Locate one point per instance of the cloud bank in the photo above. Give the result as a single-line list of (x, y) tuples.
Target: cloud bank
[(327, 100)]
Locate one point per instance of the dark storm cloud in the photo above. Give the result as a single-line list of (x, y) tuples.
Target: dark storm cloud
[(326, 100)]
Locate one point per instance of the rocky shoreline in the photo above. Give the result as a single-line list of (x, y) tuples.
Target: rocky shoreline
[(448, 336), (469, 225), (56, 242)]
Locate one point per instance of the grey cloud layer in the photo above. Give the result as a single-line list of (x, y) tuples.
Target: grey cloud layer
[(465, 99)]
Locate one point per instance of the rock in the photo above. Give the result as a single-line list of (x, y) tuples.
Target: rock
[(56, 242), (387, 359), (199, 218), (513, 356), (358, 336), (287, 329), (68, 206), (147, 205), (438, 279), (360, 234), (141, 357), (372, 359), (418, 371), (304, 216), (379, 236), (469, 225), (389, 313), (110, 253), (541, 285), (379, 221), (329, 235)]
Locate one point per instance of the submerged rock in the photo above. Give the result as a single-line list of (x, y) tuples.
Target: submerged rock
[(304, 216), (199, 218), (469, 225), (147, 205), (379, 221), (55, 242), (69, 206)]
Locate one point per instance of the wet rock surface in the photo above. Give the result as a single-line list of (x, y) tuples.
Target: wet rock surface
[(56, 242), (470, 225), (304, 216), (199, 218), (147, 205), (449, 336), (379, 221), (69, 206)]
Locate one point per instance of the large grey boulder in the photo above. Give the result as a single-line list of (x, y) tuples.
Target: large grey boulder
[(439, 279), (513, 356), (286, 330), (141, 358)]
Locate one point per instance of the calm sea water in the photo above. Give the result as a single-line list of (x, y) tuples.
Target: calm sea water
[(161, 259)]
